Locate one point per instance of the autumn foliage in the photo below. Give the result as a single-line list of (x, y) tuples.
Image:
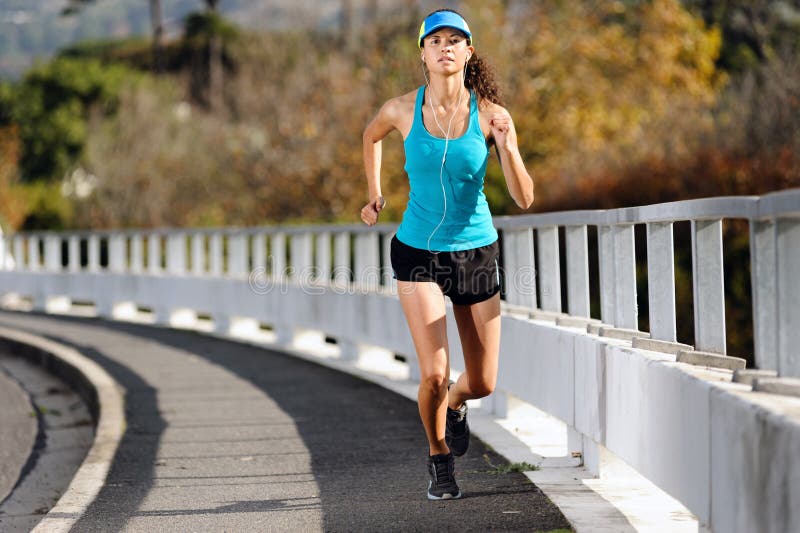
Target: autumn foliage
[(12, 200), (616, 103)]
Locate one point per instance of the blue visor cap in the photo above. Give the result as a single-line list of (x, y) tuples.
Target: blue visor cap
[(443, 19)]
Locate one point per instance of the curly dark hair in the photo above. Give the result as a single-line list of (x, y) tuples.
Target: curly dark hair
[(480, 74)]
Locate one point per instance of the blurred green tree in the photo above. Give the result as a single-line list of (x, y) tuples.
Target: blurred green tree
[(604, 84), (156, 22), (206, 34), (754, 31), (13, 207), (51, 106)]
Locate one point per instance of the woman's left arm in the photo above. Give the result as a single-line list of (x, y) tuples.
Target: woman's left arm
[(520, 183)]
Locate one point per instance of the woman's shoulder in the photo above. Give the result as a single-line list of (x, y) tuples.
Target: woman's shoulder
[(403, 102), (488, 107), (400, 107)]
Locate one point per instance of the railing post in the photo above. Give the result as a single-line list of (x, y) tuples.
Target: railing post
[(764, 279), (176, 253), (387, 274), (277, 247), (161, 310), (260, 253), (549, 268), (52, 303), (608, 299), (33, 253), (94, 253), (284, 333), (237, 254), (118, 264), (153, 253), (577, 271), (4, 253), (173, 314), (52, 253), (626, 311), (74, 258), (367, 263), (6, 257), (303, 273), (17, 247), (341, 258), (520, 270), (19, 252), (137, 253), (366, 277), (116, 252), (301, 256), (788, 259), (222, 321), (708, 282), (198, 254), (215, 253), (661, 281), (323, 259), (342, 277)]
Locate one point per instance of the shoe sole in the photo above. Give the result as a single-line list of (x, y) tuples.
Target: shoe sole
[(445, 496)]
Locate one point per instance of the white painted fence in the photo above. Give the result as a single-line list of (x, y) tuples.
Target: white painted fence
[(726, 451)]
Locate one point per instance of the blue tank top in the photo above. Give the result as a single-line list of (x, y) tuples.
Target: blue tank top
[(457, 218)]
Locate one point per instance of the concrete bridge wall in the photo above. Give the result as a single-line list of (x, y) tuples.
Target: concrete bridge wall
[(725, 449)]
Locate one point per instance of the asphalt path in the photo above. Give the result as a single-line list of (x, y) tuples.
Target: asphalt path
[(224, 436), (18, 428), (43, 440)]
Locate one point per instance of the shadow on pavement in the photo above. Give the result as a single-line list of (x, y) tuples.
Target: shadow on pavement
[(133, 469), (367, 445)]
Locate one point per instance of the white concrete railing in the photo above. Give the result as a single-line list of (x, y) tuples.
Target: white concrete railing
[(726, 451)]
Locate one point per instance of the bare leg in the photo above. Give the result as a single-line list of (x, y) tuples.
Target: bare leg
[(479, 329), (423, 305)]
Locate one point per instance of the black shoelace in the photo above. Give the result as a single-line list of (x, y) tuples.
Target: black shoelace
[(441, 471)]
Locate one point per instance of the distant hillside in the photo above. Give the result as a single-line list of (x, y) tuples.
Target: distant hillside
[(31, 29)]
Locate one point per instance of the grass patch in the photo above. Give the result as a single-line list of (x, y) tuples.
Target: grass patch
[(44, 411), (509, 467), (515, 467)]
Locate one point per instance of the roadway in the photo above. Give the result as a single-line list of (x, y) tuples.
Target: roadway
[(227, 436)]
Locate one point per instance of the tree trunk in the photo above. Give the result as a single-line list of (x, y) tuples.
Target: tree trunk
[(156, 22), (414, 15), (215, 69), (346, 28), (215, 73)]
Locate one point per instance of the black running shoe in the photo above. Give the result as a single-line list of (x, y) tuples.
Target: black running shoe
[(456, 430), (442, 485)]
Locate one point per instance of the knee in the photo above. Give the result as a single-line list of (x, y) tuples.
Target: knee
[(481, 388), (435, 382)]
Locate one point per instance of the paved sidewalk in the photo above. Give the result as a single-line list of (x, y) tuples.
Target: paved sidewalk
[(225, 436), (18, 433)]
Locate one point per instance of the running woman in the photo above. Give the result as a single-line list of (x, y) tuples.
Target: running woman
[(446, 244)]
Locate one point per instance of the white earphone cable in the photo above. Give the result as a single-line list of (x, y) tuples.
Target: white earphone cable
[(446, 143)]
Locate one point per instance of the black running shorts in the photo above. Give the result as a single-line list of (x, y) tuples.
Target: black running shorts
[(467, 276)]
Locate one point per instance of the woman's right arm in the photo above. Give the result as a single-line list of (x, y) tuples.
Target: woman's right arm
[(378, 128)]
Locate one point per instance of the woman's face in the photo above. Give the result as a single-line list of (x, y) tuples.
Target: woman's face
[(446, 51)]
